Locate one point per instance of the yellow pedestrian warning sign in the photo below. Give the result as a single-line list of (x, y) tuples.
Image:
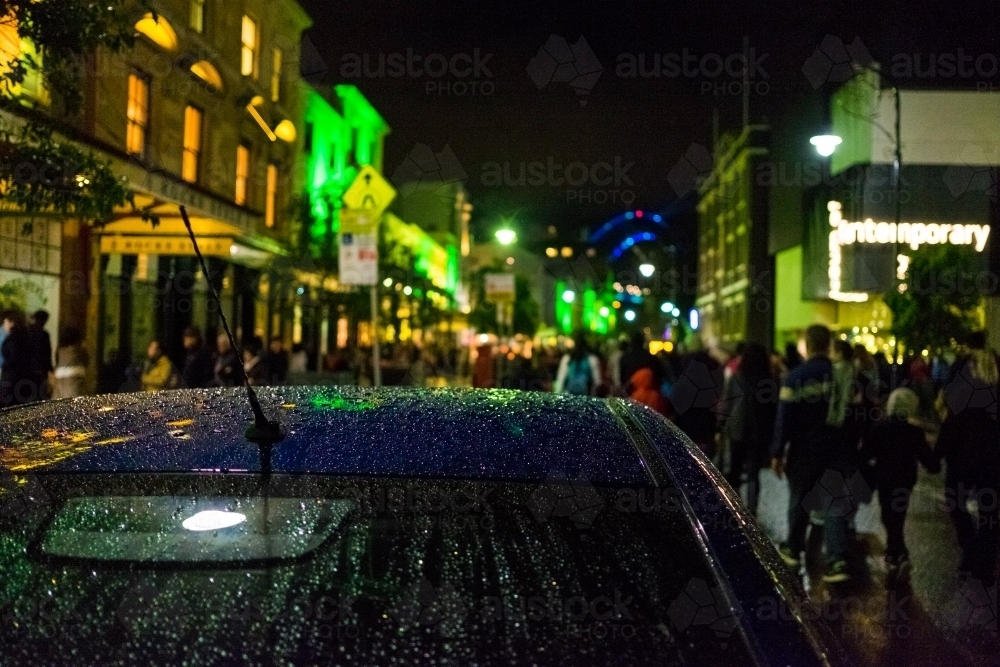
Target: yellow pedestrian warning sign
[(369, 191)]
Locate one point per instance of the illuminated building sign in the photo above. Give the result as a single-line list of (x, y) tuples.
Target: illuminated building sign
[(911, 234)]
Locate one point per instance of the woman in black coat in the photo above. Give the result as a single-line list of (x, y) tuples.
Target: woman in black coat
[(19, 383)]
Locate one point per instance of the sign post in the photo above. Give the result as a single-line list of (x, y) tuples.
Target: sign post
[(364, 202)]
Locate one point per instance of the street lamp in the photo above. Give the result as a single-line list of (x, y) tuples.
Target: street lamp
[(506, 236), (647, 270), (629, 315), (826, 144), (666, 307), (568, 296)]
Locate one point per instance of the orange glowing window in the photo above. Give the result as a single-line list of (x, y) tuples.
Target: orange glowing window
[(242, 173), (193, 121), (137, 113), (272, 195)]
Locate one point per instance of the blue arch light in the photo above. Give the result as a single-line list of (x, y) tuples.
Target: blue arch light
[(630, 241)]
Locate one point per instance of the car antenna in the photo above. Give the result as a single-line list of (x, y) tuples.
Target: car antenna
[(263, 432)]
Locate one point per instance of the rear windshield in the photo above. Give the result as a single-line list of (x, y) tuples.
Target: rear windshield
[(223, 569)]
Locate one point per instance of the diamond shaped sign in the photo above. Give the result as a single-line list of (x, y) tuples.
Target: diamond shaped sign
[(369, 191)]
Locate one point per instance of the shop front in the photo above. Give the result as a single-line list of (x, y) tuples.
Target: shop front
[(861, 234), (150, 285)]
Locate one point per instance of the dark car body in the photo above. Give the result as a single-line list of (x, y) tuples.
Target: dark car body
[(394, 527)]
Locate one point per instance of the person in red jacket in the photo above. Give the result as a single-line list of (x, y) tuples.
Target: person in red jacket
[(644, 390)]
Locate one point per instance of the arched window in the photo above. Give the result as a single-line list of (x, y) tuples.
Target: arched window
[(158, 30), (206, 71)]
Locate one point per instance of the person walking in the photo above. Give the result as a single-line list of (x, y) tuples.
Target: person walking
[(226, 371), (805, 447), (894, 445), (157, 371), (747, 412), (579, 371), (18, 382), (197, 369), (71, 364), (969, 442)]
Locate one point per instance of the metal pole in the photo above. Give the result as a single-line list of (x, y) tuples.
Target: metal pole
[(376, 345)]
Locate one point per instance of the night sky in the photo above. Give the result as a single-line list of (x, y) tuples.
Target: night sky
[(503, 117)]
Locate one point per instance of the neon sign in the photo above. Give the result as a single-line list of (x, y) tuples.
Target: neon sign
[(914, 234)]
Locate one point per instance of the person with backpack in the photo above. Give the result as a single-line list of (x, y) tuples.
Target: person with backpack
[(579, 370)]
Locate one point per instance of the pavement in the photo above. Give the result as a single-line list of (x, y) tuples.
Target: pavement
[(937, 619)]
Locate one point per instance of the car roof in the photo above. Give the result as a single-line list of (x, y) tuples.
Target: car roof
[(460, 433)]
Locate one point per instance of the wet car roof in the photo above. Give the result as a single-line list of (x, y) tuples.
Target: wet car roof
[(496, 434)]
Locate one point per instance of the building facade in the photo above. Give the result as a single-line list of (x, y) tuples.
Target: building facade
[(735, 296), (862, 226)]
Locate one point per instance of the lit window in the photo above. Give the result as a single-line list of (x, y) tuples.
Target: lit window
[(248, 60), (192, 143), (242, 173), (138, 114), (272, 193), (158, 30), (206, 71), (276, 75), (197, 15)]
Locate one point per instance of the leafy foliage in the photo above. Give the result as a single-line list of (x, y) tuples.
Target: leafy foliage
[(939, 298), (41, 175), (66, 31)]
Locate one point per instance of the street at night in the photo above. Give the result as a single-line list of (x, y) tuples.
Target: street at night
[(498, 334)]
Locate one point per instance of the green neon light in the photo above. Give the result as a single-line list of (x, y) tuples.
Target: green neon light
[(564, 309), (338, 402)]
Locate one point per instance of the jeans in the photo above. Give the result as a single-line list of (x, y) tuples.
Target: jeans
[(818, 483)]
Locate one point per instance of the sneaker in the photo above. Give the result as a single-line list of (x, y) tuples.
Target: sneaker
[(791, 559), (836, 573)]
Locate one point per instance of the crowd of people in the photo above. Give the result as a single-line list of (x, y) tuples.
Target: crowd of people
[(822, 419), (203, 366), (838, 419), (28, 374)]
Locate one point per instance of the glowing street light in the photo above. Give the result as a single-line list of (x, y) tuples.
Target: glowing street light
[(694, 319), (568, 296), (647, 270), (506, 236), (605, 311), (826, 143), (666, 307), (676, 312), (630, 315)]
